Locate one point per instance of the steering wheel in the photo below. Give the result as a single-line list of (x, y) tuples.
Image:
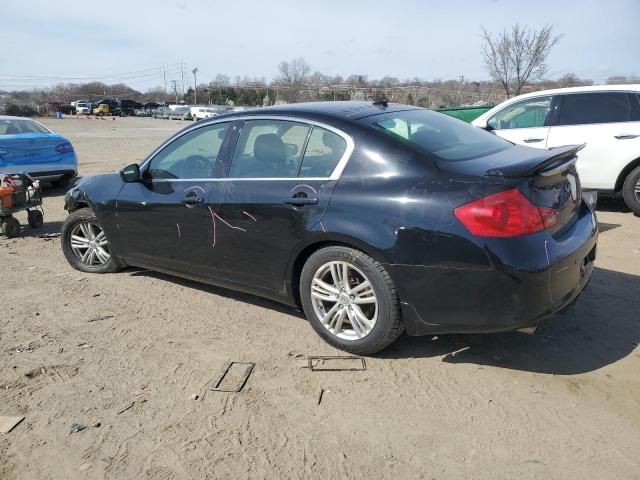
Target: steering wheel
[(196, 166)]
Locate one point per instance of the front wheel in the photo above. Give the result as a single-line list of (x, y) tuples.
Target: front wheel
[(631, 190), (350, 300), (85, 244)]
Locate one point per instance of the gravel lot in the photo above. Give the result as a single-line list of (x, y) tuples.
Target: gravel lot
[(79, 348)]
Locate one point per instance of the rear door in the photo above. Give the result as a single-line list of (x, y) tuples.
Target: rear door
[(525, 122), (608, 123), (163, 219), (280, 179)]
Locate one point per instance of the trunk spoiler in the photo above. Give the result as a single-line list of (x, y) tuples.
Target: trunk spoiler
[(547, 163)]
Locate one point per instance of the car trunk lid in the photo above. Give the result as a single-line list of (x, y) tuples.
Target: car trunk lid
[(30, 148), (548, 178)]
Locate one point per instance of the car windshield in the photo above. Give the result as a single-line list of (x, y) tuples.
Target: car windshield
[(439, 134), (20, 126)]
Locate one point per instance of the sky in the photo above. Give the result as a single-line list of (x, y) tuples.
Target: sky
[(48, 41)]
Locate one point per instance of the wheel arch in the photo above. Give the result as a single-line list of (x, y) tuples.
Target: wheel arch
[(294, 269), (632, 165)]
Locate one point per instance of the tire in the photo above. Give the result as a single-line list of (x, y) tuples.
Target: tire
[(35, 218), (382, 328), (76, 225), (631, 190), (10, 226)]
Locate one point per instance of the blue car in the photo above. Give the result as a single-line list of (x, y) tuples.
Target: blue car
[(28, 146)]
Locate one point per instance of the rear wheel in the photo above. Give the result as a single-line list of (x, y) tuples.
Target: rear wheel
[(35, 218), (350, 300), (10, 226), (631, 190), (85, 244)]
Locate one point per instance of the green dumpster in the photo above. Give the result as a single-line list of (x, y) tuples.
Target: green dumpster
[(468, 114)]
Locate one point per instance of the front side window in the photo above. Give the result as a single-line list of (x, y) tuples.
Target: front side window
[(439, 134), (586, 108), (193, 155), (529, 113), (269, 149)]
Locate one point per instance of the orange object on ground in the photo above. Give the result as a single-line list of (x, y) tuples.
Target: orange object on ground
[(6, 196)]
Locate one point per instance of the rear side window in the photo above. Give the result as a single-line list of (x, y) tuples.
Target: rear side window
[(634, 98), (588, 108), (438, 134), (323, 152)]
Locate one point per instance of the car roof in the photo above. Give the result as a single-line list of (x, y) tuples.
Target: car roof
[(586, 89), (345, 110)]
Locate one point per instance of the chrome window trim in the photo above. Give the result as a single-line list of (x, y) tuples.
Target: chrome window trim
[(335, 175)]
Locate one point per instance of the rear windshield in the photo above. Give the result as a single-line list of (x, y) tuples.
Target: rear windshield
[(18, 126), (439, 134)]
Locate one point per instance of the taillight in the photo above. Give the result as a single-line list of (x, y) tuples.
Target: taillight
[(64, 148), (505, 214)]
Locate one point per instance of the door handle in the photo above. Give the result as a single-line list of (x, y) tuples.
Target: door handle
[(533, 140), (301, 201), (192, 200), (625, 136)]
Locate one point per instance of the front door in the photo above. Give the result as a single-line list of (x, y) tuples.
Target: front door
[(163, 219), (525, 122), (280, 180)]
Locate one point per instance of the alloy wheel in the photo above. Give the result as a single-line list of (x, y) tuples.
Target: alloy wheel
[(637, 190), (344, 300), (89, 244)]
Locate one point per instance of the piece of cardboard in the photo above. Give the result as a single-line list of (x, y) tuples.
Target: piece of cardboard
[(7, 423)]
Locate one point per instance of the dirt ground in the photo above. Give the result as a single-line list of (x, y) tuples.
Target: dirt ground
[(80, 348)]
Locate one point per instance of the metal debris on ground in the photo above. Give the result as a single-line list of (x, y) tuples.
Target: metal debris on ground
[(76, 427), (336, 364), (98, 319), (216, 384), (130, 405), (48, 236), (9, 423), (320, 395)]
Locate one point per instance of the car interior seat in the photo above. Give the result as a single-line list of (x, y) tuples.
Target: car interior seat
[(269, 151)]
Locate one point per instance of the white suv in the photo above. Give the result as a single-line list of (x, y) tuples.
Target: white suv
[(605, 118)]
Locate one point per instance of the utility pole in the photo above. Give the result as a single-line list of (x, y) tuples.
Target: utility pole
[(164, 77), (195, 85), (461, 88), (175, 89), (182, 77)]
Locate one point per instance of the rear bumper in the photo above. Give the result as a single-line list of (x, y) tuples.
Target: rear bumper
[(47, 172), (526, 280)]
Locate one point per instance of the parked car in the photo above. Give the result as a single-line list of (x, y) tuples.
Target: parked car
[(180, 113), (374, 218), (159, 112), (200, 113), (28, 146), (604, 118)]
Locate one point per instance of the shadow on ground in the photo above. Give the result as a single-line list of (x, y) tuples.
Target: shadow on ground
[(222, 292), (602, 328)]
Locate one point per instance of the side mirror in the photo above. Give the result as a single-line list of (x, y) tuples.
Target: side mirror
[(130, 173), (291, 149)]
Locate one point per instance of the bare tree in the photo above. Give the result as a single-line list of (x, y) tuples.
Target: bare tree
[(293, 75), (517, 57)]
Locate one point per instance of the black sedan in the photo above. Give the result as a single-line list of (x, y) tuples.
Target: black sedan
[(375, 218)]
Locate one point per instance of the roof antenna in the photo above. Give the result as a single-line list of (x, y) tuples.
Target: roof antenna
[(383, 102)]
